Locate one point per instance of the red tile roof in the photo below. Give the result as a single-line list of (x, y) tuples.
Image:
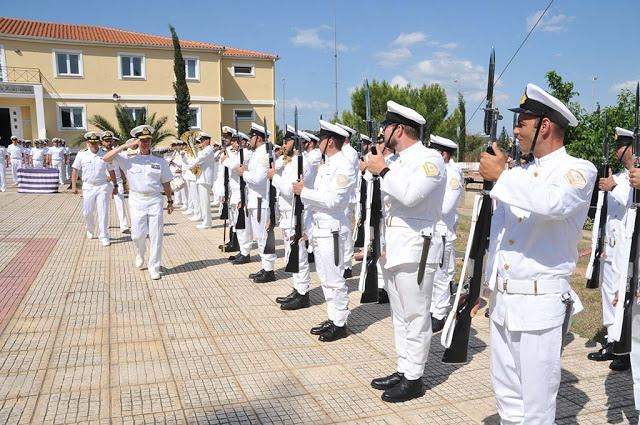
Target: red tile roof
[(38, 29)]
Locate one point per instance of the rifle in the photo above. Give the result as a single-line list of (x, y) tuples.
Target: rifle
[(455, 336), (515, 148), (361, 212), (242, 211), (270, 245), (628, 286), (224, 212), (293, 264), (368, 284), (598, 235)]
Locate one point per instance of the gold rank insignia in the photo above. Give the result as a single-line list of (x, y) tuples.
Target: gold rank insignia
[(155, 166), (431, 169), (342, 180), (264, 162), (576, 178), (454, 183), (524, 97), (615, 136)]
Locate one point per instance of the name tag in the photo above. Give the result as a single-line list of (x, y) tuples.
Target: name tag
[(155, 166)]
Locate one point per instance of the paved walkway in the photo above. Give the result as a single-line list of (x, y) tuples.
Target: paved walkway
[(88, 338)]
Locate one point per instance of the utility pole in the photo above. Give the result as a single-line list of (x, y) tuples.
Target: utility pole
[(593, 85), (335, 50), (284, 115)]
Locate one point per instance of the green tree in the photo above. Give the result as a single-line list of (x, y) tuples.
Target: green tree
[(503, 139), (560, 89), (183, 99), (462, 116)]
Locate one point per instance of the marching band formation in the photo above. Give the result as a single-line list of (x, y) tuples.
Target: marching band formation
[(397, 200)]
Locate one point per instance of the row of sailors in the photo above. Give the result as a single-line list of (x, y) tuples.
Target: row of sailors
[(21, 154)]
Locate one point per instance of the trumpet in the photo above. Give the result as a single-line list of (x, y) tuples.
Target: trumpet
[(189, 137)]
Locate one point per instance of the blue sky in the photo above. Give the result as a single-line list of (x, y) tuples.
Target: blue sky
[(417, 42)]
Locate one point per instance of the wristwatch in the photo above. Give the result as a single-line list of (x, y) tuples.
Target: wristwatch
[(169, 202), (384, 171)]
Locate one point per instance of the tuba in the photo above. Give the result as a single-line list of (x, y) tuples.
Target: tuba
[(189, 137)]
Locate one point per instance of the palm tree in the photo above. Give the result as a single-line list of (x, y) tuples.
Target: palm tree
[(126, 123)]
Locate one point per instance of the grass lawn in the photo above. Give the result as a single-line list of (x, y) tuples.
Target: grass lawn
[(587, 323)]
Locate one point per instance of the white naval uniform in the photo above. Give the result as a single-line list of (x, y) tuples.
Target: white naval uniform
[(536, 226), (16, 153), (352, 155), (284, 185), (192, 188), (218, 184), (257, 183), (175, 163), (37, 157), (206, 159), (119, 198), (334, 184), (67, 167), (440, 300), (232, 163), (315, 160), (412, 193), (3, 168), (57, 161), (146, 175), (617, 204), (95, 190)]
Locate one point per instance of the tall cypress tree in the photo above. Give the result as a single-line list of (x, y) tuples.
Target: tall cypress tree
[(462, 138), (183, 99)]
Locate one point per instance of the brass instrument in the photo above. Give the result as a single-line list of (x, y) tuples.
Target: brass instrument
[(189, 137)]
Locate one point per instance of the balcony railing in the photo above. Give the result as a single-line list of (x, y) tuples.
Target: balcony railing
[(20, 75)]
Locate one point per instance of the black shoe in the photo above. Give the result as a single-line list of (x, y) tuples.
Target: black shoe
[(453, 288), (321, 328), (334, 333), (241, 259), (282, 300), (383, 297), (621, 363), (229, 247), (269, 276), (301, 301), (404, 391), (347, 273), (311, 258), (387, 382), (437, 324), (254, 275), (487, 313), (604, 354)]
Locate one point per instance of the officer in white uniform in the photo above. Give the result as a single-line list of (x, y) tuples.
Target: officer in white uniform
[(109, 141), (536, 226), (254, 172), (440, 300), (95, 190), (4, 164), (206, 159), (38, 155), (26, 156), (299, 297), (192, 188), (67, 160), (230, 161), (353, 156), (16, 153), (148, 176), (328, 201), (412, 188), (58, 154), (175, 165)]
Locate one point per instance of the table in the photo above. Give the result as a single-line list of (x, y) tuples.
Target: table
[(37, 180)]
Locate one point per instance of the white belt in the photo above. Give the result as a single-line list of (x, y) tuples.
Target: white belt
[(98, 183), (533, 287), (285, 214), (143, 194), (327, 224), (415, 223)]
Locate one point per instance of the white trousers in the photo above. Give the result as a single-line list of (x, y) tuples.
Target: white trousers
[(331, 277), (96, 198), (3, 176), (194, 199), (301, 279), (15, 164), (147, 219), (59, 165), (204, 197), (348, 243), (182, 196), (609, 283), (441, 298), (38, 164), (635, 352), (67, 172), (410, 316), (233, 215), (525, 372), (120, 209), (254, 229)]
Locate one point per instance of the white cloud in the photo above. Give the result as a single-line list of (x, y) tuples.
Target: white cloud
[(312, 38), (549, 23), (399, 81), (452, 45), (629, 85), (410, 39), (313, 105), (391, 58)]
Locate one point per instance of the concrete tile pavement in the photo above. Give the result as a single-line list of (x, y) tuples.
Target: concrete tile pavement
[(91, 339)]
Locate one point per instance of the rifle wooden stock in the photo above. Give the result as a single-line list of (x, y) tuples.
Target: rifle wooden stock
[(242, 211), (293, 265), (593, 280), (370, 293), (359, 242), (224, 213)]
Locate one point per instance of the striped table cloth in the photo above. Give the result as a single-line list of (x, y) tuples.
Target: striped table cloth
[(37, 180)]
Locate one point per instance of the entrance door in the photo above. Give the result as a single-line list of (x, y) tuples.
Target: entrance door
[(5, 126)]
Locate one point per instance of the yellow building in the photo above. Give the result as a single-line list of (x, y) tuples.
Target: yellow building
[(53, 77)]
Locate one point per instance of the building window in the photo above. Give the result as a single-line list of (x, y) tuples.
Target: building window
[(196, 122), (132, 65), (243, 70), (3, 65), (192, 68), (244, 114), (68, 63), (136, 112), (71, 117)]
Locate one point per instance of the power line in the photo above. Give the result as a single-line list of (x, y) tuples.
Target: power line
[(513, 57)]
